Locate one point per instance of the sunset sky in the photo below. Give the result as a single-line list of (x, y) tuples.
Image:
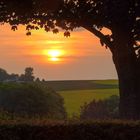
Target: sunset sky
[(55, 57)]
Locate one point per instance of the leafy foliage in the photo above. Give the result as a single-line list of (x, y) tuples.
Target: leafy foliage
[(70, 14), (102, 109), (31, 100)]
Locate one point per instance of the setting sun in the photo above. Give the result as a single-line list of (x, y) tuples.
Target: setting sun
[(54, 55)]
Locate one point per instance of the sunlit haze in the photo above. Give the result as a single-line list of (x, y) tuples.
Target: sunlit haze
[(55, 57)]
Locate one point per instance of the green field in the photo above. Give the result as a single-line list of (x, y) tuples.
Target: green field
[(74, 99), (107, 82), (76, 93)]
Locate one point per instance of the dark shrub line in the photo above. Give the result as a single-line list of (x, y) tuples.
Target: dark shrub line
[(77, 131)]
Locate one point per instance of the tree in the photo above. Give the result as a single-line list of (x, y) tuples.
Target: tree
[(3, 75), (28, 75), (37, 80), (14, 77), (43, 80), (122, 18), (31, 100)]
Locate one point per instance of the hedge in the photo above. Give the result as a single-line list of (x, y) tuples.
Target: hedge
[(71, 131)]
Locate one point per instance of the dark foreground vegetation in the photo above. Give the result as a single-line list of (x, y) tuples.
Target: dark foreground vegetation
[(30, 100), (72, 131), (102, 109)]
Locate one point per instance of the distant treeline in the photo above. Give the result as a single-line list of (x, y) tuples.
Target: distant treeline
[(27, 76)]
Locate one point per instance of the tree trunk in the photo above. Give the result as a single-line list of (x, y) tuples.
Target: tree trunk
[(125, 61), (138, 89)]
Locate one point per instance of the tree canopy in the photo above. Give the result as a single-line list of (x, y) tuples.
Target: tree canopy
[(31, 100), (93, 15), (28, 75)]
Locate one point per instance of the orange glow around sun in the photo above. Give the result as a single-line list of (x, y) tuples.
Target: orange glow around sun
[(43, 48)]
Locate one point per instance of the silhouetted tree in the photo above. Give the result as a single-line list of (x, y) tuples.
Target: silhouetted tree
[(43, 80), (121, 17), (14, 77), (3, 74), (37, 80), (28, 75), (31, 100)]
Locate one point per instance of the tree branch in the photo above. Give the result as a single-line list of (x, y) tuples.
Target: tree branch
[(100, 35)]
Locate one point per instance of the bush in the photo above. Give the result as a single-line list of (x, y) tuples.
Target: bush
[(102, 109), (77, 131), (31, 100)]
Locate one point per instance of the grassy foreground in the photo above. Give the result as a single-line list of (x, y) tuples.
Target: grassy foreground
[(71, 131)]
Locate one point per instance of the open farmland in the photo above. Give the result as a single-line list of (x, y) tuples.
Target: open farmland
[(76, 93), (82, 84)]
